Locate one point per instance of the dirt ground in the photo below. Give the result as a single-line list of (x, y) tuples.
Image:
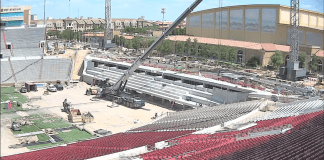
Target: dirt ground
[(116, 119)]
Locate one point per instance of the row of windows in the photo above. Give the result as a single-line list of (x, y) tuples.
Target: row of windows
[(252, 17)]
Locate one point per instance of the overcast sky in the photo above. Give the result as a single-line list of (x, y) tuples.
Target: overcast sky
[(150, 9)]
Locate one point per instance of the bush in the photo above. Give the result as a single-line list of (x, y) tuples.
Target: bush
[(253, 62)]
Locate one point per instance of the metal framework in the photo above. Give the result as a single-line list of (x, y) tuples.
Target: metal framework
[(108, 21), (294, 33)]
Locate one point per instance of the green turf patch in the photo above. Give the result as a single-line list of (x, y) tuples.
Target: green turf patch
[(26, 129), (44, 145), (9, 93), (74, 135), (42, 137), (54, 123)]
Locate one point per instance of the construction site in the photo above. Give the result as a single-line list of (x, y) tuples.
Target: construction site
[(72, 102)]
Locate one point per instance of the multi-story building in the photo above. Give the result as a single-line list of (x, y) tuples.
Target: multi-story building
[(265, 25), (81, 24), (16, 16), (33, 17), (67, 23)]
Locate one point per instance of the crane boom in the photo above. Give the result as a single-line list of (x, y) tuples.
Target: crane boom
[(121, 83)]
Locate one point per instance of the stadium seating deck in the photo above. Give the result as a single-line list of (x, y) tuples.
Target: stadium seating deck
[(25, 37), (6, 74), (99, 147), (201, 118), (26, 70), (305, 143), (218, 145), (31, 69)]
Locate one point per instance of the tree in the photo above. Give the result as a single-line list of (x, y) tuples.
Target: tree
[(313, 64), (195, 47), (116, 38), (231, 55), (165, 47), (136, 43), (188, 46), (54, 33), (224, 52), (128, 44), (67, 34), (302, 59), (122, 40), (180, 47), (160, 49), (253, 62), (204, 50), (277, 59)]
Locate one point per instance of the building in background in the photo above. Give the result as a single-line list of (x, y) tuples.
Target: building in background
[(33, 17), (16, 16), (266, 26)]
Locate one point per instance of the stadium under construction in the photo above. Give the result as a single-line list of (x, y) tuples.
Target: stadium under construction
[(216, 117)]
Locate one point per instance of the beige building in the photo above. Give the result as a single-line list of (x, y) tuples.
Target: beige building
[(16, 15), (256, 23), (260, 24)]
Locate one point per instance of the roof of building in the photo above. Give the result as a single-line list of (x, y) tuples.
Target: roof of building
[(268, 46), (91, 35), (320, 53), (234, 43), (80, 21), (102, 21), (129, 37), (96, 21), (88, 21)]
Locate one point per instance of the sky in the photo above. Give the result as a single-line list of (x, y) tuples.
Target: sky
[(150, 9)]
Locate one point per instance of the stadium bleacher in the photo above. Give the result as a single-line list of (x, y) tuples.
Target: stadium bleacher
[(25, 37), (27, 69), (56, 69), (209, 146), (100, 146), (32, 69), (201, 118), (6, 74)]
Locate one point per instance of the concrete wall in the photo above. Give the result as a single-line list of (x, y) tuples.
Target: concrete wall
[(223, 96)]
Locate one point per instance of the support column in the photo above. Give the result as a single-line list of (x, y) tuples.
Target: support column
[(163, 100)]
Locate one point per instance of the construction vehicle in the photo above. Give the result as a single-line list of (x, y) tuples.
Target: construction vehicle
[(92, 91), (15, 126), (23, 90), (67, 107), (115, 92)]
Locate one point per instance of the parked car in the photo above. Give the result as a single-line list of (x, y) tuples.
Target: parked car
[(58, 87), (51, 88), (23, 90)]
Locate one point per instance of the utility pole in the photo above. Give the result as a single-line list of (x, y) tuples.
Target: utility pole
[(163, 11), (220, 28), (45, 27)]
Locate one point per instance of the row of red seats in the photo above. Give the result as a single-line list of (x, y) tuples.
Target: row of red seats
[(100, 146), (193, 141)]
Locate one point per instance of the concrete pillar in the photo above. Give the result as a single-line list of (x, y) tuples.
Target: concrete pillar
[(163, 100)]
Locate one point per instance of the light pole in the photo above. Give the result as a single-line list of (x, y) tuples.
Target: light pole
[(163, 11)]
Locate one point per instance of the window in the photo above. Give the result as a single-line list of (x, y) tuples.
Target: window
[(207, 20), (269, 20), (252, 20), (236, 19)]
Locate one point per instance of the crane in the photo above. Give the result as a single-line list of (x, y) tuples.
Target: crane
[(114, 91), (107, 33)]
